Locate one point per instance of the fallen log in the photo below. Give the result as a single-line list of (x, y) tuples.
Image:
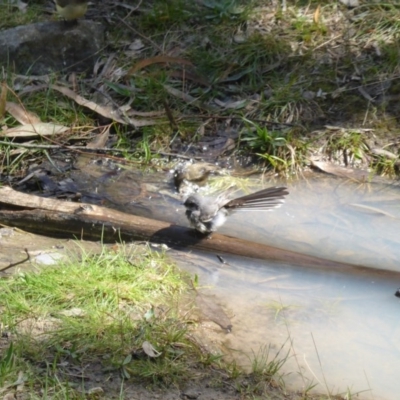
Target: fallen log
[(91, 222)]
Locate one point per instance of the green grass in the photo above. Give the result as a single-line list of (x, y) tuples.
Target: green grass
[(278, 64), (299, 67), (100, 311), (125, 314), (349, 146), (104, 287), (101, 308), (11, 16)]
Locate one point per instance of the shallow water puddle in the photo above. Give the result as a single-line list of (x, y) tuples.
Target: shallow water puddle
[(341, 221), (337, 327), (342, 330)]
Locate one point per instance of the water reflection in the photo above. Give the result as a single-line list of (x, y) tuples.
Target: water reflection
[(342, 329), (332, 219), (326, 217)]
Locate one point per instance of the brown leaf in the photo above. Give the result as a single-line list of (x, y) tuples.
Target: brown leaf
[(384, 153), (95, 392), (156, 60), (112, 113), (3, 98), (100, 140), (22, 115), (358, 175), (317, 14), (34, 130)]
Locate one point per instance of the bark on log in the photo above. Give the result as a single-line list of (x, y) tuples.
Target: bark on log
[(90, 222)]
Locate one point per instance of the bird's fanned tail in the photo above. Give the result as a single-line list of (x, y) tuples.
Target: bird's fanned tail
[(262, 200)]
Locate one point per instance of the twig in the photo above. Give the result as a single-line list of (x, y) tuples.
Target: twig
[(132, 9), (327, 42), (230, 117), (179, 156), (88, 149), (63, 147), (28, 257)]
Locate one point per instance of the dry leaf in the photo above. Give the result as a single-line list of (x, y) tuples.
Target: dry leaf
[(34, 130), (180, 95), (317, 14), (100, 140), (358, 175), (3, 99), (150, 350), (21, 115), (371, 210), (105, 111), (384, 153), (156, 60), (236, 105), (136, 45)]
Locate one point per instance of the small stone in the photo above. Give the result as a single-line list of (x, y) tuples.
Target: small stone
[(308, 95), (190, 394)]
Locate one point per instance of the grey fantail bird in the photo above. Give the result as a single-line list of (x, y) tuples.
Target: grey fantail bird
[(71, 9), (207, 214)]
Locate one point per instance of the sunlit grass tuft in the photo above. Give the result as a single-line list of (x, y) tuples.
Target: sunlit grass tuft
[(102, 307)]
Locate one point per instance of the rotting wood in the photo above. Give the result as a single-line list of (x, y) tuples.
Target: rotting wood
[(91, 222)]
